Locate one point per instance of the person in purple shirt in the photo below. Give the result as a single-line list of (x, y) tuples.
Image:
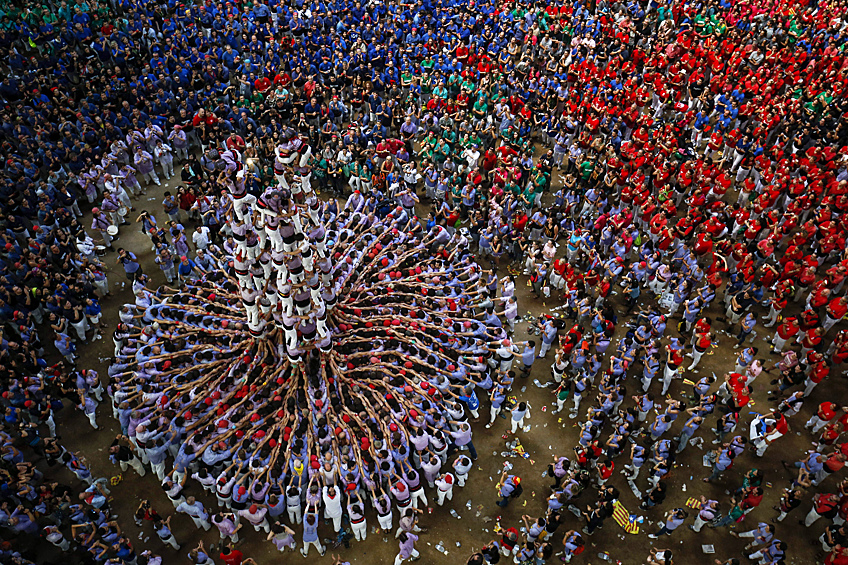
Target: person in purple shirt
[(406, 541), (310, 532), (462, 437), (226, 524), (23, 521)]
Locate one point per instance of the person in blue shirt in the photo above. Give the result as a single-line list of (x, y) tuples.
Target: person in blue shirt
[(528, 356), (510, 487)]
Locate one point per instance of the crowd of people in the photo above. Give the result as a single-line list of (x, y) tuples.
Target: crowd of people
[(665, 172)]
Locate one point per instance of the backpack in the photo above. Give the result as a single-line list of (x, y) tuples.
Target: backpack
[(519, 490)]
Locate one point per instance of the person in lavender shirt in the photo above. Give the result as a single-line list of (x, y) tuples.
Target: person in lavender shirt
[(281, 536), (145, 166), (310, 531), (407, 548), (227, 524), (255, 514)]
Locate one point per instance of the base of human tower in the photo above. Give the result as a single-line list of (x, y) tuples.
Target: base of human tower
[(321, 340)]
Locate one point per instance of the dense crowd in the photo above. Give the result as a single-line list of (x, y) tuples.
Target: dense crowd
[(688, 158)]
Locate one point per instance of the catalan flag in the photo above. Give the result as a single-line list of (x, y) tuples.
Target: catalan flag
[(693, 503), (623, 518)]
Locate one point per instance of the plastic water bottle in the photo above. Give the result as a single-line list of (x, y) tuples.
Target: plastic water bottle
[(468, 504), (605, 556), (454, 514)]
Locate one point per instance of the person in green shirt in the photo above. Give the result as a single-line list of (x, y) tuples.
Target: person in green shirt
[(562, 396), (406, 79), (428, 64), (320, 166), (700, 21), (50, 18), (794, 32), (586, 168), (818, 105), (527, 196), (480, 109), (442, 153), (454, 83), (426, 88), (735, 513), (428, 146), (440, 92), (449, 135), (455, 184), (509, 136), (65, 12)]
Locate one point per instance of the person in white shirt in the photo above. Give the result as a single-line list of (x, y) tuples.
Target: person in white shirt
[(114, 186), (472, 155), (165, 155), (444, 483), (461, 466), (54, 536), (510, 311), (200, 237), (333, 506), (206, 479)]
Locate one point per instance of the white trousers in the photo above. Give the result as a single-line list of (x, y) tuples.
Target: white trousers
[(441, 495), (419, 495), (360, 530), (201, 523), (413, 555), (699, 523), (171, 541), (516, 424), (305, 550), (295, 514), (385, 522)]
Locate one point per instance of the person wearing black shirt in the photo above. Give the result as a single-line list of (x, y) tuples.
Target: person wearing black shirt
[(120, 453)]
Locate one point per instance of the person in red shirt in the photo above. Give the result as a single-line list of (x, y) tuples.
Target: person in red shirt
[(702, 342), (235, 142), (837, 556), (825, 413), (751, 498), (785, 331), (605, 472), (819, 372), (836, 310), (704, 246), (811, 340), (778, 302), (232, 556)]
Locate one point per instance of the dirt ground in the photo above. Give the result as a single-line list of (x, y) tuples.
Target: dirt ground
[(551, 434)]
